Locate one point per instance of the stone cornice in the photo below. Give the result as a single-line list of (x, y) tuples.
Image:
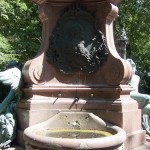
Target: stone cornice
[(39, 2)]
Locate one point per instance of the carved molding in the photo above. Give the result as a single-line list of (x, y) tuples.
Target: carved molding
[(72, 1), (106, 12)]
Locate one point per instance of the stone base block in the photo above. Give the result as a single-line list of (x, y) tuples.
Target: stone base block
[(130, 120), (122, 112), (135, 139), (19, 138)]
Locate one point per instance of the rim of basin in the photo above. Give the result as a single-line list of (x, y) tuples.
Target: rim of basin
[(87, 143)]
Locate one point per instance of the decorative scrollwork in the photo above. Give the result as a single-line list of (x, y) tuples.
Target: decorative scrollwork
[(76, 43)]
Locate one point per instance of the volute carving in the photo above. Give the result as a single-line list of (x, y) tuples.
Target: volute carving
[(91, 49)]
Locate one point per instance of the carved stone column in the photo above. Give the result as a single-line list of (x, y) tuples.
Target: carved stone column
[(78, 60)]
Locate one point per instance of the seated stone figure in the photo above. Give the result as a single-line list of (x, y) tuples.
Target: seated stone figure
[(142, 99), (11, 77)]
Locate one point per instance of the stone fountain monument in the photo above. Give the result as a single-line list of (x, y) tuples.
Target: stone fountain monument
[(78, 69)]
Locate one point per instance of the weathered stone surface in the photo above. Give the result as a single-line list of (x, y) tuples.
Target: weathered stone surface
[(102, 90)]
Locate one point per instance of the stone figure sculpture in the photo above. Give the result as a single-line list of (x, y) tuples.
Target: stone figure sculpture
[(122, 43), (142, 99), (12, 78)]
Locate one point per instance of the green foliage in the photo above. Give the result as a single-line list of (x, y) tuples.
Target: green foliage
[(134, 16), (20, 30)]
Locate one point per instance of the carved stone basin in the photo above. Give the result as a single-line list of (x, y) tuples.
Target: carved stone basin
[(74, 130)]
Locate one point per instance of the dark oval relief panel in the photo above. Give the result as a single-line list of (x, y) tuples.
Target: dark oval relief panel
[(76, 44)]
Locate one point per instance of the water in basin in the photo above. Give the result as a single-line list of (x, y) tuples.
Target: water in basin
[(74, 133)]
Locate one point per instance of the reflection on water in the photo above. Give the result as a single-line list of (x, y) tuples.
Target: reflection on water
[(74, 133)]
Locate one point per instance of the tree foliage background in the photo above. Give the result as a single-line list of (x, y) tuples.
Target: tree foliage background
[(134, 16), (20, 33), (19, 30)]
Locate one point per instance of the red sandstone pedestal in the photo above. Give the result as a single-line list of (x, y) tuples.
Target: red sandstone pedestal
[(104, 92)]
